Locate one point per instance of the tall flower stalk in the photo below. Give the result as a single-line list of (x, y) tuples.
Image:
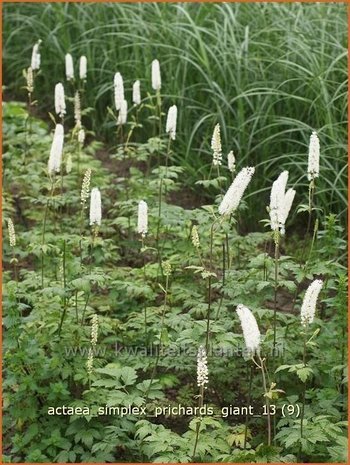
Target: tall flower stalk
[(29, 76), (202, 381), (12, 240), (142, 229), (93, 342), (171, 130), (84, 195), (53, 168), (156, 85), (312, 174), (64, 288), (166, 273), (280, 205), (307, 315), (95, 223), (252, 339), (80, 140), (227, 207), (216, 148), (313, 171)]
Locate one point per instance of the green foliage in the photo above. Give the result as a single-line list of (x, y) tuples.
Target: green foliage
[(257, 69)]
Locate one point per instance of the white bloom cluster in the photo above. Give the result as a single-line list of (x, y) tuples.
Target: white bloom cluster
[(30, 79), (166, 266), (231, 162), (95, 207), (195, 237), (36, 58), (85, 188), (308, 308), (82, 67), (94, 329), (202, 368), (280, 202), (313, 169), (136, 93), (12, 234), (216, 146), (81, 136), (156, 79), (171, 122), (90, 361), (60, 103), (250, 330), (55, 158), (142, 219), (123, 113), (235, 192), (118, 91), (77, 109), (69, 67)]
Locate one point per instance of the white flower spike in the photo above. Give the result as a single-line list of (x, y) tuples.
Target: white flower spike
[(231, 162), (123, 113), (69, 67), (313, 169), (287, 205), (136, 93), (142, 219), (280, 203), (94, 329), (85, 188), (250, 330), (77, 109), (81, 136), (30, 80), (60, 103), (83, 68), (235, 192), (216, 146), (12, 234), (95, 207), (202, 368), (36, 58), (156, 79), (118, 90), (171, 122), (308, 308), (55, 159)]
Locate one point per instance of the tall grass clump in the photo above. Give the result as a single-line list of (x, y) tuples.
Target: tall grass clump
[(279, 82)]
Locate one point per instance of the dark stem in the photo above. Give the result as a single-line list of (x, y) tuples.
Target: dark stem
[(200, 404), (64, 289), (44, 231), (267, 403), (160, 338), (303, 394), (145, 281), (209, 286), (248, 404), (275, 301)]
